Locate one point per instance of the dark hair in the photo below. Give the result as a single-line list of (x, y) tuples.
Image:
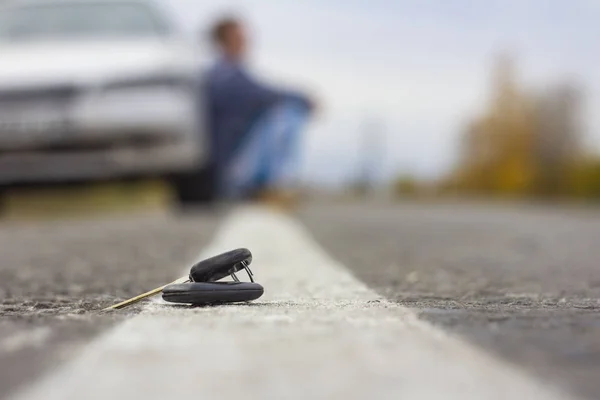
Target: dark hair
[(221, 27)]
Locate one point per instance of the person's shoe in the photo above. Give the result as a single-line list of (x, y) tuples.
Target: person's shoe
[(283, 200)]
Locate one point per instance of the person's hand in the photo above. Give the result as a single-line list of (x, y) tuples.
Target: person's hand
[(313, 105)]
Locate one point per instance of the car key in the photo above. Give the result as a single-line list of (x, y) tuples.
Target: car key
[(208, 270), (203, 293), (218, 267)]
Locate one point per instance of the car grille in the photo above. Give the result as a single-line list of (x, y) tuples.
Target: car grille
[(33, 116), (23, 97)]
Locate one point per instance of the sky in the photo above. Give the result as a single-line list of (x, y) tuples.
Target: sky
[(409, 72)]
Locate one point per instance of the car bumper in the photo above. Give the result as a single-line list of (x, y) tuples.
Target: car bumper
[(109, 163)]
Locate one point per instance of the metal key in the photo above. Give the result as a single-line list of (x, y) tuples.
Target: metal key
[(143, 296), (209, 270)]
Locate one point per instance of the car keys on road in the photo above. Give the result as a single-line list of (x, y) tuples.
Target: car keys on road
[(201, 286)]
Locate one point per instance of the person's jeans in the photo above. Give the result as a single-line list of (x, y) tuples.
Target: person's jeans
[(267, 158)]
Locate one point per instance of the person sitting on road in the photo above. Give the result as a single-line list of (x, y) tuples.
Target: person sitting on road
[(254, 128)]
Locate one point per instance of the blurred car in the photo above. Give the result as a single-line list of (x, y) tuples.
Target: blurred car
[(97, 90)]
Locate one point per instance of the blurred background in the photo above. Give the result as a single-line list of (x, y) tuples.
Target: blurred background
[(429, 98), (496, 98), (102, 110)]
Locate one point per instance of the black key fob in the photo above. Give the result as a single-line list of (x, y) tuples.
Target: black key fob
[(203, 293), (222, 265)]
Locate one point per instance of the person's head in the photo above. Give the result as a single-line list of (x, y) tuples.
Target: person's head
[(229, 36)]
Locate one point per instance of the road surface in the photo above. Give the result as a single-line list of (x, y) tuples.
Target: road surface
[(425, 301)]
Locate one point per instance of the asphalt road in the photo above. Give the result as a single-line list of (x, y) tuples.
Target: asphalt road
[(521, 283), (56, 276)]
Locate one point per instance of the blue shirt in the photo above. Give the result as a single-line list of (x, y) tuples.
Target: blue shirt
[(234, 101)]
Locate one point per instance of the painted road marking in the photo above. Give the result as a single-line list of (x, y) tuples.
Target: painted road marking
[(317, 333)]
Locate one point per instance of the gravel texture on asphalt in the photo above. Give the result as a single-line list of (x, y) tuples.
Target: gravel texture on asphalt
[(522, 282), (56, 276)]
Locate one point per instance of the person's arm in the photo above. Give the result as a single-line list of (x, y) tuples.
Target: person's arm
[(265, 96)]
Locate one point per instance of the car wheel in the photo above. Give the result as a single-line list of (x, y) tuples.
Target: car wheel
[(3, 202), (194, 188)]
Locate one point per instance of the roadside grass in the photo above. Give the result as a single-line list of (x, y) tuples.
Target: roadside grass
[(86, 200)]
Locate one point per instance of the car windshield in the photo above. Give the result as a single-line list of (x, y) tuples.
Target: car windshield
[(75, 20)]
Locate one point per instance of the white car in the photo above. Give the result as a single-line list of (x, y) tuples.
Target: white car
[(96, 89)]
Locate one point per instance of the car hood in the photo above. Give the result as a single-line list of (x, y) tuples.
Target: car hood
[(89, 63)]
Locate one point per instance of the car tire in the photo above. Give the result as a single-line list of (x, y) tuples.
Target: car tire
[(3, 202), (194, 188)]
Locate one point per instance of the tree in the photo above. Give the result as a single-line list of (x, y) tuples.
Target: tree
[(523, 145)]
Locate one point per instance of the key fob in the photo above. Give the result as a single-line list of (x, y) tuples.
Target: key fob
[(202, 293), (218, 267)]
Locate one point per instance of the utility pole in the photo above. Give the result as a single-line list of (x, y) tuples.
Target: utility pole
[(370, 154)]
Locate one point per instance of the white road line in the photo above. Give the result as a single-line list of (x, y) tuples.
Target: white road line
[(317, 333)]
